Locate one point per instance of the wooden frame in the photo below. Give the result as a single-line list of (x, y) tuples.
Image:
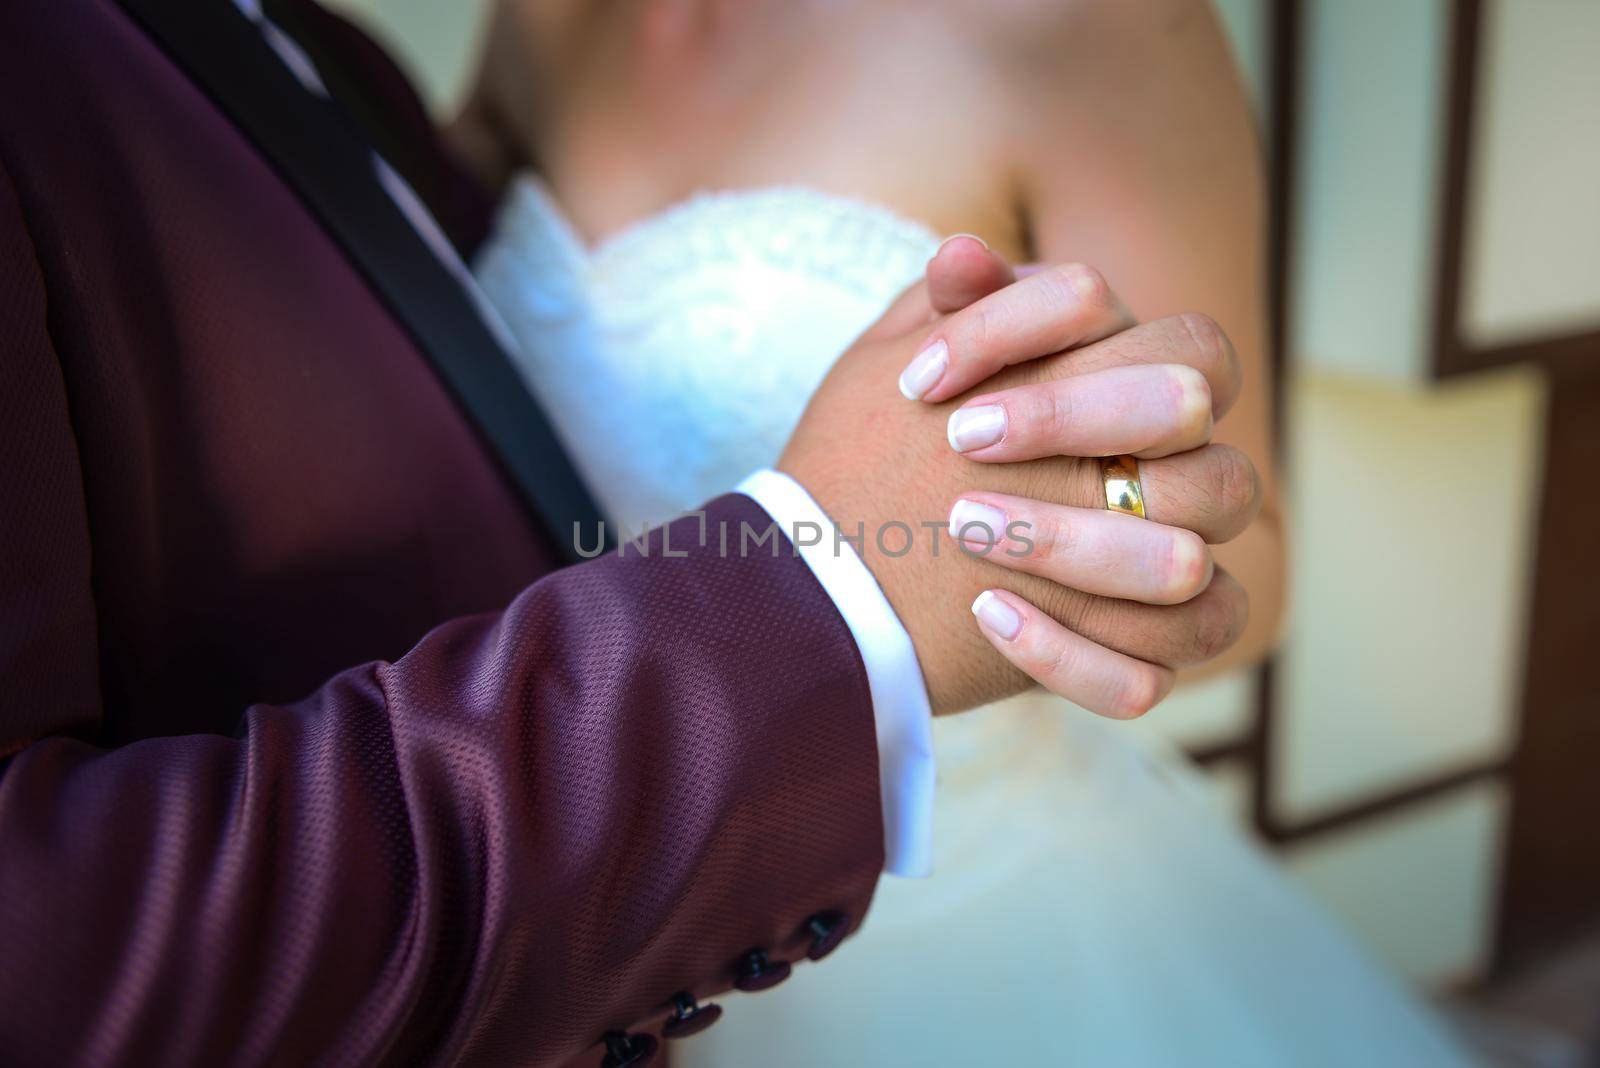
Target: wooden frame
[(1550, 872), (1452, 355), (1550, 868)]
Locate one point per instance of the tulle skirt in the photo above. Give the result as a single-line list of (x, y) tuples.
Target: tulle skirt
[(1090, 905)]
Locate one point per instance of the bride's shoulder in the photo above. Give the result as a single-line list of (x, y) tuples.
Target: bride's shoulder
[(1047, 56), (1026, 16), (1025, 37)]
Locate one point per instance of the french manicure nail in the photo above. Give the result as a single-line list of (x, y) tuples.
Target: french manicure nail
[(963, 233), (925, 370), (976, 428), (971, 518), (994, 614)]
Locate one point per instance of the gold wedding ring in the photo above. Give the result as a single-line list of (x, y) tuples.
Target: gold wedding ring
[(1123, 492)]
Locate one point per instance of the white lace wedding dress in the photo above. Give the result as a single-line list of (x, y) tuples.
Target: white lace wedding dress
[(1087, 904)]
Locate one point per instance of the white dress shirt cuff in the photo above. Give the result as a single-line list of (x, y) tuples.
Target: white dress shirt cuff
[(899, 697)]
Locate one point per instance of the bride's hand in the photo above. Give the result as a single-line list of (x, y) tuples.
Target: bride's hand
[(1149, 390), (1120, 601)]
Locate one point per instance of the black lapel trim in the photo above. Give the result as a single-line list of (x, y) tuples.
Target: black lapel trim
[(316, 151)]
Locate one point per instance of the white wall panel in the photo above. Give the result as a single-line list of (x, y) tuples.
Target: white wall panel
[(1412, 516), (1366, 198), (1533, 222)]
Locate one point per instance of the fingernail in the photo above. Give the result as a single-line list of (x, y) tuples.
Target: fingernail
[(971, 518), (976, 428), (952, 237), (994, 614), (925, 370)]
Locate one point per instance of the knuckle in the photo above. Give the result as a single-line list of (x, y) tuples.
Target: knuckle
[(1208, 344), (1238, 484), (1052, 415), (1086, 285), (1055, 666), (1190, 397), (1054, 537), (1218, 624), (1141, 690), (1187, 568), (1213, 352), (972, 332)]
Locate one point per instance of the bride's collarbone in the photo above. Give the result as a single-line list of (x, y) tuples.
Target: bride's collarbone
[(605, 196), (613, 156)]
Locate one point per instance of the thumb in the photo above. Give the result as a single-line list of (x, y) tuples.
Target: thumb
[(962, 271)]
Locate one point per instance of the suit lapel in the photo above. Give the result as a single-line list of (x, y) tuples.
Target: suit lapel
[(325, 161)]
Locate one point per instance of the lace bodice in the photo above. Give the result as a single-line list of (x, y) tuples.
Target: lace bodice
[(676, 357)]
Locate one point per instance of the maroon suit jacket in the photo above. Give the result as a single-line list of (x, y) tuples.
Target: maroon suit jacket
[(306, 753)]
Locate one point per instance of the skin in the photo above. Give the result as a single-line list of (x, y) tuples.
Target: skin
[(1037, 125), (893, 463), (1158, 182)]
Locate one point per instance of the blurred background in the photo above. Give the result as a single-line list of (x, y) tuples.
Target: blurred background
[(1424, 752)]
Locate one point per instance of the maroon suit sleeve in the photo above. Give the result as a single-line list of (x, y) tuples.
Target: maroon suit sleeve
[(534, 827)]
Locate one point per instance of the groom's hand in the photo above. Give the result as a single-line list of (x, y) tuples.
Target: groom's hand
[(1098, 606)]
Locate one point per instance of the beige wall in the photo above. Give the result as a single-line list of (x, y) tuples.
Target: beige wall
[(1533, 233), (1413, 516)]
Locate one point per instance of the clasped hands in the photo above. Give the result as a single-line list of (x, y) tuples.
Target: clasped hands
[(1010, 390)]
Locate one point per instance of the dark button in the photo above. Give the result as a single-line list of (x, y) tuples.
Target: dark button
[(689, 1017), (756, 972), (827, 930), (628, 1051)]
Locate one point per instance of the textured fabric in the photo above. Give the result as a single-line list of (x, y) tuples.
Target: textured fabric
[(262, 81), (229, 478)]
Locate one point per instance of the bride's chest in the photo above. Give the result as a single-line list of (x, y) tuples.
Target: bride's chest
[(695, 336), (741, 294), (912, 127)]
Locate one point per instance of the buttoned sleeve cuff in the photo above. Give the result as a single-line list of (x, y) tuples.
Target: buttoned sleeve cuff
[(900, 706)]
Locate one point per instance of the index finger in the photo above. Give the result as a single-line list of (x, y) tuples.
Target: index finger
[(1049, 310)]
